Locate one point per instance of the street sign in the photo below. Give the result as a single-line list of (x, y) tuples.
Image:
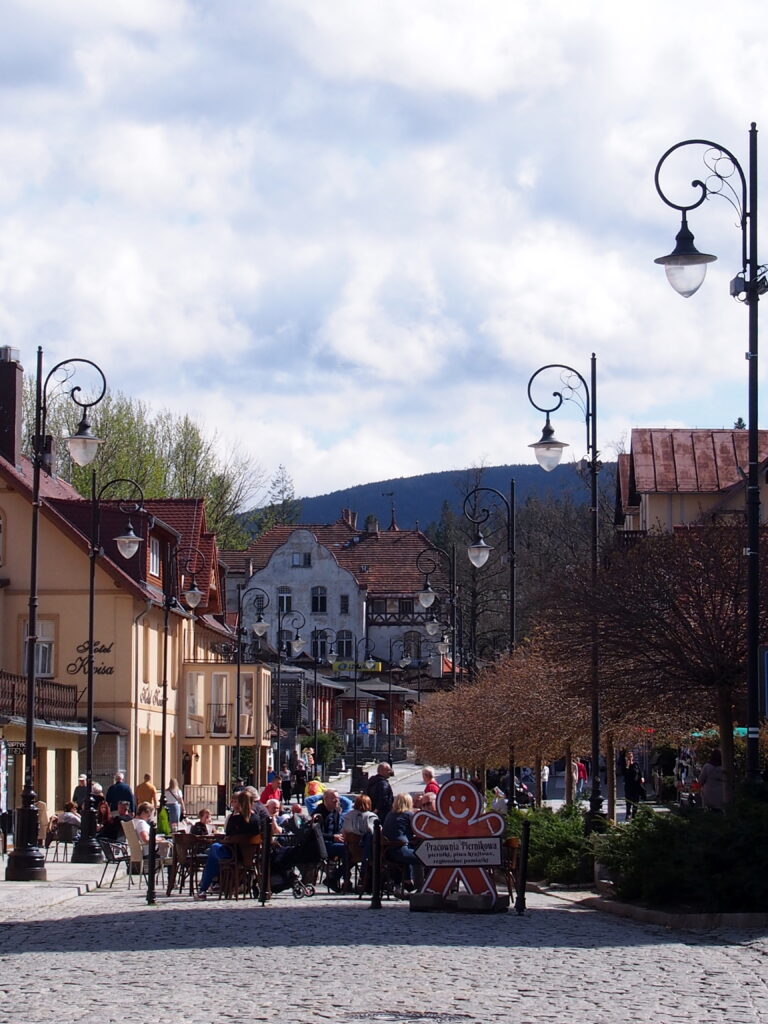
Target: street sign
[(469, 852)]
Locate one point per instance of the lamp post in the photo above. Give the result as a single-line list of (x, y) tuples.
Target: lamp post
[(27, 861), (548, 451), (260, 601), (368, 647), (193, 563), (318, 635), (297, 621), (87, 850), (403, 662), (686, 269), (479, 550), (192, 595), (427, 563)]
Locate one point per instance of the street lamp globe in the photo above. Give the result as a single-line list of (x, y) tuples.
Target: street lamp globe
[(433, 627), (193, 596), (427, 595), (260, 626), (128, 543), (685, 266), (83, 445), (548, 450), (478, 551), (297, 644)]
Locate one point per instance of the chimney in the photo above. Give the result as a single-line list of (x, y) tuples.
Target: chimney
[(11, 380), (349, 517)]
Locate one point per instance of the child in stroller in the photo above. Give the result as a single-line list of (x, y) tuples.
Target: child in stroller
[(291, 858)]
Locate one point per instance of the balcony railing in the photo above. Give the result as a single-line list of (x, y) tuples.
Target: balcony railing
[(52, 700), (220, 719)]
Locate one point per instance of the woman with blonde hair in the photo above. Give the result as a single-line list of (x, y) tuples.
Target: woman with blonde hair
[(398, 832), (174, 804)]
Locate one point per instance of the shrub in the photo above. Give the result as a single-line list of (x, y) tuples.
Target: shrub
[(691, 860), (559, 851)]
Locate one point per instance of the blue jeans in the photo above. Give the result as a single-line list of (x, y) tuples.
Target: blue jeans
[(216, 852), (405, 856)]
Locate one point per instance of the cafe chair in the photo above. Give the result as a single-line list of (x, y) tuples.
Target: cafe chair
[(115, 854), (66, 834)]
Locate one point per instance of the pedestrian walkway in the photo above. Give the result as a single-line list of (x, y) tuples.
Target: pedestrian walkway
[(65, 881)]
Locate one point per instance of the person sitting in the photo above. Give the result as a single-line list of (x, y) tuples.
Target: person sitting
[(328, 814), (202, 827), (273, 810), (357, 830), (398, 831), (69, 815), (113, 830), (296, 820), (141, 825), (248, 819)]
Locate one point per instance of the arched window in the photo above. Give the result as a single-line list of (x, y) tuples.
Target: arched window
[(320, 644), (412, 645), (343, 644), (319, 600)]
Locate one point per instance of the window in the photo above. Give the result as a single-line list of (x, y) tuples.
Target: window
[(301, 559), (344, 604), (405, 606), (284, 599), (154, 557), (46, 633), (379, 606), (412, 645), (319, 600), (320, 644), (343, 644), (285, 641)]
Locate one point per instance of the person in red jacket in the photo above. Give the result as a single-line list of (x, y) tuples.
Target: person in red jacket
[(272, 791), (431, 785)]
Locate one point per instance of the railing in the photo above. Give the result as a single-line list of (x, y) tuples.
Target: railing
[(52, 700), (219, 719)]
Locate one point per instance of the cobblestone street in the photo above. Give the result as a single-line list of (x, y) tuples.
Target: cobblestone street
[(106, 956)]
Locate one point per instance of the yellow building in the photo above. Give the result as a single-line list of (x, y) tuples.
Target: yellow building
[(145, 643)]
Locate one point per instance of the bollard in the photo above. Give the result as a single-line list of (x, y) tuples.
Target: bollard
[(152, 863), (376, 868), (522, 874)]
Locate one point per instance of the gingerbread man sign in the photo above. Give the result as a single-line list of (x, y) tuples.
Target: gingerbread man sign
[(458, 815)]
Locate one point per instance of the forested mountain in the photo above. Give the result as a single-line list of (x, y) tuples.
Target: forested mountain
[(419, 499)]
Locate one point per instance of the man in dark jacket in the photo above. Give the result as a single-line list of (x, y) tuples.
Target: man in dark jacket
[(118, 791), (380, 791)]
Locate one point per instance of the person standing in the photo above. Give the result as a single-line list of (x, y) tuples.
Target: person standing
[(711, 780), (544, 781), (380, 791), (633, 784), (120, 791), (146, 792), (174, 804), (286, 783), (80, 793)]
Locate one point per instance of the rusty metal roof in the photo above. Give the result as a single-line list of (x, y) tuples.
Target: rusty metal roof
[(688, 461)]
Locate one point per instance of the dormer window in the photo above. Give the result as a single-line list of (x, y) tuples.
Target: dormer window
[(154, 557)]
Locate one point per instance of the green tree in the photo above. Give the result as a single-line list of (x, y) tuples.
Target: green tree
[(282, 508), (167, 455)]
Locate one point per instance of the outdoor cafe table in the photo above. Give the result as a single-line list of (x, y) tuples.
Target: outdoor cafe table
[(181, 842)]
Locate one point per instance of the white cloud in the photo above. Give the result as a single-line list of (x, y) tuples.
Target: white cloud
[(347, 233)]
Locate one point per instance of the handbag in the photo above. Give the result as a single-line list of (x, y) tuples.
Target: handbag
[(163, 822)]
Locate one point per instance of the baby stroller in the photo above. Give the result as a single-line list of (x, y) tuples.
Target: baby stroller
[(294, 854)]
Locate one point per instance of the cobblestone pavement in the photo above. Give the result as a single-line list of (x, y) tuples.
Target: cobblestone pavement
[(107, 956)]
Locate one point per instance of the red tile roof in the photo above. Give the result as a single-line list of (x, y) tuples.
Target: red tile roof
[(382, 562)]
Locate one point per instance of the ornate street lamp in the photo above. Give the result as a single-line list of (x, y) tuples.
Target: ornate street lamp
[(293, 649), (403, 662), (173, 567), (548, 451), (685, 268), (369, 663), (320, 638), (27, 861), (479, 550), (87, 850), (427, 563)]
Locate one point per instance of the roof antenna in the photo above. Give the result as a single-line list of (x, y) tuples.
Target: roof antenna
[(393, 527)]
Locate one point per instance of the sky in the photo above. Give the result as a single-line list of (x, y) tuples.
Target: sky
[(343, 234)]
